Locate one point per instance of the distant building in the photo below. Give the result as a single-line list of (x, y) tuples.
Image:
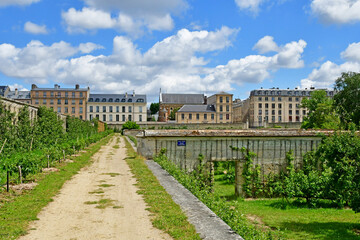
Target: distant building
[(117, 108), (241, 111), (15, 107), (170, 101), (4, 90), (21, 96), (218, 110), (278, 105), (68, 101)]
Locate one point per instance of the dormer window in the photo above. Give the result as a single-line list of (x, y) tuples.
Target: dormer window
[(123, 100), (130, 100), (110, 100), (97, 100), (91, 99), (117, 100), (103, 100), (140, 100)]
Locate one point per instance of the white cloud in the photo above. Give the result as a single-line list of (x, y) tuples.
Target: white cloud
[(251, 5), (34, 28), (336, 11), (328, 72), (18, 87), (266, 44), (176, 64), (4, 3)]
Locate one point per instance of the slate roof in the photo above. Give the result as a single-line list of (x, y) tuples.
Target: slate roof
[(197, 108), (2, 90), (182, 98), (287, 92), (116, 98), (19, 95)]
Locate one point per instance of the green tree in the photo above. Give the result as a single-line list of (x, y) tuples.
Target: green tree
[(321, 112), (154, 107), (173, 113), (347, 98)]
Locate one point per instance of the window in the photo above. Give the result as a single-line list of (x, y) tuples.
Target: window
[(104, 109), (97, 109), (266, 112), (272, 112), (130, 109), (290, 105), (59, 101), (304, 112), (66, 102), (221, 99), (279, 105), (266, 105), (227, 108), (80, 102), (97, 99), (123, 100), (36, 101), (123, 109), (117, 100), (260, 98), (297, 105), (221, 108), (129, 118), (290, 99), (73, 110), (103, 100), (140, 118), (73, 94), (91, 108), (73, 102), (182, 116), (123, 118), (212, 116), (52, 101), (91, 117), (140, 109), (81, 94), (80, 110), (221, 116), (140, 100), (190, 116), (273, 105), (59, 109), (273, 119), (260, 105), (290, 112), (273, 99), (110, 100), (205, 116), (110, 109), (279, 118), (104, 117), (44, 101), (37, 94), (227, 99), (110, 118), (279, 98), (227, 116), (97, 116), (51, 94), (81, 117), (117, 109), (66, 94), (260, 112), (130, 100), (117, 117), (297, 112), (297, 118), (44, 94), (279, 112), (266, 99), (66, 109), (297, 99), (197, 116)]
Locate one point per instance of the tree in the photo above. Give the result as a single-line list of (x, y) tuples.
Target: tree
[(321, 112), (173, 114), (154, 107), (347, 98)]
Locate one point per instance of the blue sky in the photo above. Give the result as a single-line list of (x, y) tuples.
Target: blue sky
[(184, 46)]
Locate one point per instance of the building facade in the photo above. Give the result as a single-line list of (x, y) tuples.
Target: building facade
[(67, 101), (117, 108), (4, 90), (196, 114), (278, 105), (241, 110), (223, 106), (21, 96), (171, 101)]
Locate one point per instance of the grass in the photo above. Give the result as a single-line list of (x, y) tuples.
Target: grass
[(97, 191), (133, 139), (106, 185), (17, 213), (111, 174), (167, 215), (103, 203), (116, 146), (293, 220)]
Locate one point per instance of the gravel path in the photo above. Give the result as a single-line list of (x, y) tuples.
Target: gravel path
[(76, 212)]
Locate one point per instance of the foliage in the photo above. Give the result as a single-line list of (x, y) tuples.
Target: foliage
[(347, 98), (321, 112), (172, 115), (130, 125), (154, 107)]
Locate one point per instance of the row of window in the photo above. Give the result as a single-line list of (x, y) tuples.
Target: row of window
[(113, 109), (290, 99), (227, 99), (66, 110), (205, 116), (116, 100), (279, 105), (117, 117), (297, 112), (221, 108), (266, 119), (59, 94), (288, 93), (59, 101)]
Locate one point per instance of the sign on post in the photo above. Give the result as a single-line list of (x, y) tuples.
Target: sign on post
[(181, 143)]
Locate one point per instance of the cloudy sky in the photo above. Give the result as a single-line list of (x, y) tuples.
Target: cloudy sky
[(184, 46)]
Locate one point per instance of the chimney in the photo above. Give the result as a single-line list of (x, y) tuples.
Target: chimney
[(205, 100), (77, 86), (56, 86), (134, 93), (33, 86), (16, 91), (126, 95)]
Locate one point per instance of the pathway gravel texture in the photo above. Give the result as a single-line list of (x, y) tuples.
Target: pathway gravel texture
[(206, 222), (73, 214)]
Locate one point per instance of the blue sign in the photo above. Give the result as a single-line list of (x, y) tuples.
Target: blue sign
[(181, 143)]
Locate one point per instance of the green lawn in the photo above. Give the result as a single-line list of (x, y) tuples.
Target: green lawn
[(295, 222)]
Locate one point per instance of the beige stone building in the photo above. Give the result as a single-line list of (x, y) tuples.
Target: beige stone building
[(117, 108), (223, 106), (15, 106), (68, 101), (278, 105), (241, 111)]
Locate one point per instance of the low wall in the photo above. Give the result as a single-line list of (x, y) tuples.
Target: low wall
[(166, 125)]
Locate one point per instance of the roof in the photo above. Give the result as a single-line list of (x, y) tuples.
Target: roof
[(3, 89), (197, 108), (287, 92), (182, 98), (223, 93), (19, 95), (117, 98)]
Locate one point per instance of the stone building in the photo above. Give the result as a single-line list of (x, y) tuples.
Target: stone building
[(196, 114), (223, 106), (68, 101), (170, 101), (4, 90), (278, 105), (241, 111), (117, 108), (21, 96), (15, 106)]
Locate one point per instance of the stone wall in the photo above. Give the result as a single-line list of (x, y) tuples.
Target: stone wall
[(173, 125)]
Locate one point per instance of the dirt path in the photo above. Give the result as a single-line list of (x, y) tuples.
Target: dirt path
[(98, 203)]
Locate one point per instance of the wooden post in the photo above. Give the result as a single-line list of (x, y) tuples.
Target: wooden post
[(7, 181), (31, 143), (239, 179), (63, 155), (3, 145), (20, 175), (48, 165), (74, 149)]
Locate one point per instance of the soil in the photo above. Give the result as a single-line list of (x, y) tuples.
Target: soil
[(100, 202)]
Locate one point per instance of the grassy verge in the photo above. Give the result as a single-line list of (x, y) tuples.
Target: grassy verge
[(294, 221), (133, 139), (16, 214), (167, 214)]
